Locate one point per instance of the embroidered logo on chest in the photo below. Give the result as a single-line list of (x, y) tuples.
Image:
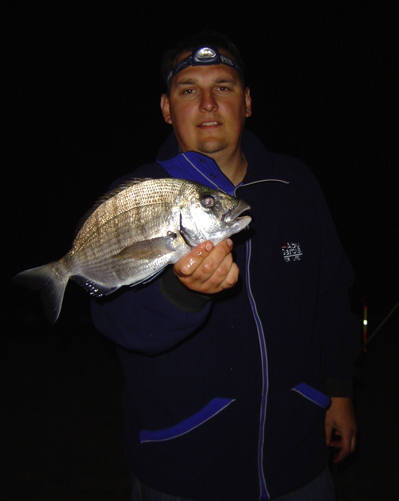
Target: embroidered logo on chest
[(291, 251)]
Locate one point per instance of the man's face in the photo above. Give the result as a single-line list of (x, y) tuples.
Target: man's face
[(207, 107)]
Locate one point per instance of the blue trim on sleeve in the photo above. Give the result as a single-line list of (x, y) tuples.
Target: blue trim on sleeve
[(209, 411), (313, 395)]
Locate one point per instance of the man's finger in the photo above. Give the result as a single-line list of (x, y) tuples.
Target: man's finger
[(204, 260), (187, 265)]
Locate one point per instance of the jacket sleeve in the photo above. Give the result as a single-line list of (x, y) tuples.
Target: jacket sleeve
[(143, 319), (339, 328)]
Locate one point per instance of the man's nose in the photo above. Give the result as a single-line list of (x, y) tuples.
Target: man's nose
[(208, 102)]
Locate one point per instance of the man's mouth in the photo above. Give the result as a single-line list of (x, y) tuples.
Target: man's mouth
[(212, 123)]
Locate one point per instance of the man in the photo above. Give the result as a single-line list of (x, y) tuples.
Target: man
[(230, 354)]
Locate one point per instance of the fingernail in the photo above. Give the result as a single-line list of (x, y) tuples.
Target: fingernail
[(209, 246), (230, 243)]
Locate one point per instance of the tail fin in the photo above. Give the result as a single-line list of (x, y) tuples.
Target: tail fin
[(52, 285)]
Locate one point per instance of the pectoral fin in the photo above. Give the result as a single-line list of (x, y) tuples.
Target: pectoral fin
[(149, 249)]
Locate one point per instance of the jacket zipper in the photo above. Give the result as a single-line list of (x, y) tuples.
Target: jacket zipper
[(264, 494), (265, 379)]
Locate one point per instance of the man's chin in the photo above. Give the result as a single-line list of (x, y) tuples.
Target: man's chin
[(211, 146)]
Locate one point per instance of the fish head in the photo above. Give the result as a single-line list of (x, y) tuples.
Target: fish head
[(208, 214)]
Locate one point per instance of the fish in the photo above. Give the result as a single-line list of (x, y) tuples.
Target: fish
[(132, 233)]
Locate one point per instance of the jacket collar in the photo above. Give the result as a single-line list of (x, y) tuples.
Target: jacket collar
[(197, 167)]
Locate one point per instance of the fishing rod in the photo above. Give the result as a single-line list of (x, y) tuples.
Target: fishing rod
[(381, 324)]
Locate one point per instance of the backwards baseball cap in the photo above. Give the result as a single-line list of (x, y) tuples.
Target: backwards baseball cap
[(205, 56)]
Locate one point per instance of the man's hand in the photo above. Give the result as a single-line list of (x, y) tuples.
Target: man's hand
[(341, 420), (208, 268)]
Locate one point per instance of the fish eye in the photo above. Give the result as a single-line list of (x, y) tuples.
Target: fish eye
[(207, 201)]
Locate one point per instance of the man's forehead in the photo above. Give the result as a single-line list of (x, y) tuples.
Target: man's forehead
[(215, 73)]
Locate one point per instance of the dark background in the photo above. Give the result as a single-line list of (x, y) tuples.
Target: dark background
[(82, 108)]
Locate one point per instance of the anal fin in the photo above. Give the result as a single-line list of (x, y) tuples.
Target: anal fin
[(93, 288)]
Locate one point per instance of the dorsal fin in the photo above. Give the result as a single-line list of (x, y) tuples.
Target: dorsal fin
[(127, 184)]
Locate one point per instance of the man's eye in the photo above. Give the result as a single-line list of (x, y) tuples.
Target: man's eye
[(187, 91)]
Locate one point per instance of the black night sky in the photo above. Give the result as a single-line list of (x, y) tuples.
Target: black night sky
[(82, 108)]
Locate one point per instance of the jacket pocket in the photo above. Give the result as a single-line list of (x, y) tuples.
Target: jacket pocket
[(209, 411), (313, 395)]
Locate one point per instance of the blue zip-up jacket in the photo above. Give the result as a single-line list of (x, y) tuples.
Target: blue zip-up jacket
[(226, 400)]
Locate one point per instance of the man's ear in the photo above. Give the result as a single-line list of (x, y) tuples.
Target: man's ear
[(248, 102), (165, 107)]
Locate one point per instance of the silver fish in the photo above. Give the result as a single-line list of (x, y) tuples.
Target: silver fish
[(132, 233)]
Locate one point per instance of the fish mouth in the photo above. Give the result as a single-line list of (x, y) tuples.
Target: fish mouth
[(233, 215)]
